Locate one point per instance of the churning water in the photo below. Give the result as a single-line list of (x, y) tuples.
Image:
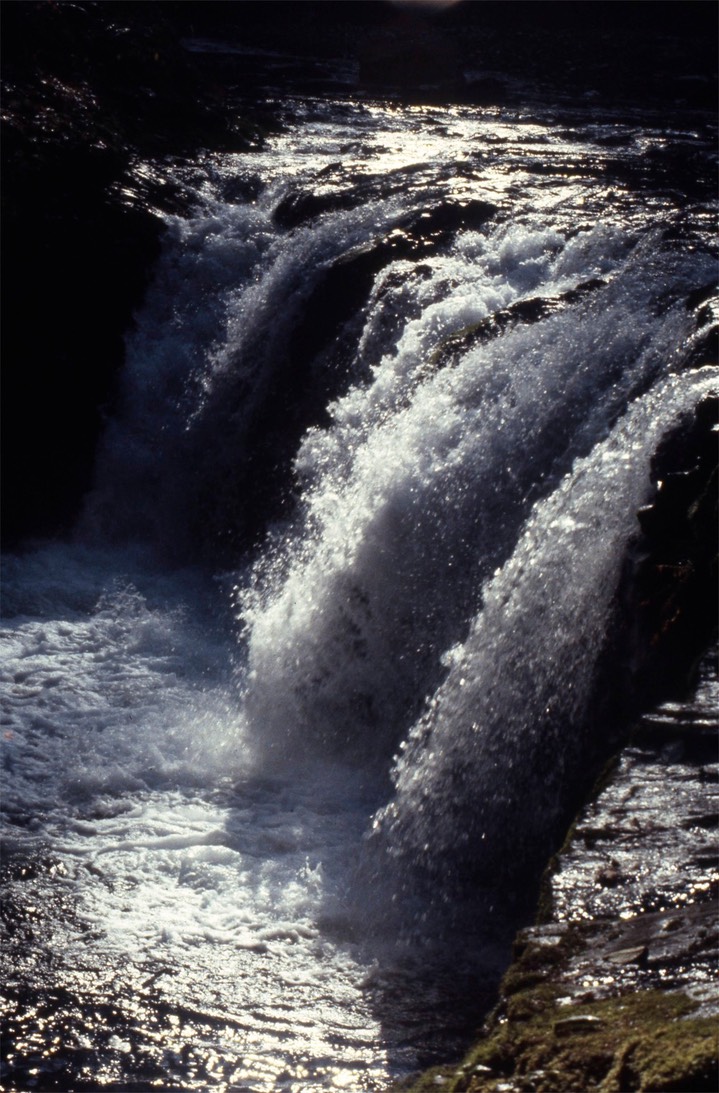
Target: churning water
[(321, 657)]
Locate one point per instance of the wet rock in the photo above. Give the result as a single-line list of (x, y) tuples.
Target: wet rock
[(299, 207), (620, 973), (436, 222), (468, 215), (628, 956), (642, 826), (609, 875), (531, 310), (79, 264), (585, 1022), (703, 347), (672, 587), (87, 89)]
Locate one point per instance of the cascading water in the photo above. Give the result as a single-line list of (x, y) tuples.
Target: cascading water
[(506, 732), (387, 417), (425, 498)]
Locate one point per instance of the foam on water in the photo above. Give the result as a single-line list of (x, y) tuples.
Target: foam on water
[(113, 679), (125, 766), (504, 735), (193, 803), (418, 488)]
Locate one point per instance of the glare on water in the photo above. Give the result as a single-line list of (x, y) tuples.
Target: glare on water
[(192, 765)]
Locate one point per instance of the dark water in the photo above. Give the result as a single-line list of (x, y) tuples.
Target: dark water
[(292, 722)]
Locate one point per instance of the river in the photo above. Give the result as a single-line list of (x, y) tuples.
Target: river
[(293, 720)]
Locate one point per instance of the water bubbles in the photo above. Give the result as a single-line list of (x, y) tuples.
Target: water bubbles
[(549, 606)]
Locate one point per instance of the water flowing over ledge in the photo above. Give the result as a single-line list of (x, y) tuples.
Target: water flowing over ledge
[(335, 648)]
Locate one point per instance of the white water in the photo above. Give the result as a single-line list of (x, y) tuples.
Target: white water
[(410, 509), (505, 732), (204, 795)]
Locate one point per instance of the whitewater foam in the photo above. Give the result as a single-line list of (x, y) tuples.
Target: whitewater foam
[(504, 735), (185, 794), (408, 507)]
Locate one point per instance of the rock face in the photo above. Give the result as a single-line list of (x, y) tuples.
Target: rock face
[(642, 861), (76, 265), (87, 87), (613, 989), (674, 584)]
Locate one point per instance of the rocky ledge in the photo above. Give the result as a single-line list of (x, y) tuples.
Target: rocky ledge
[(613, 989), (89, 90)]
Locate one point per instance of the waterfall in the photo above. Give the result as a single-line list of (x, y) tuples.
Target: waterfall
[(335, 648), (420, 438), (417, 489), (483, 778)]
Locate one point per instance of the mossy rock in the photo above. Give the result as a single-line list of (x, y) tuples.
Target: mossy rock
[(648, 1041), (645, 1041)]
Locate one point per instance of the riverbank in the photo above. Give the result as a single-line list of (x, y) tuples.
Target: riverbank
[(613, 988), (88, 90)]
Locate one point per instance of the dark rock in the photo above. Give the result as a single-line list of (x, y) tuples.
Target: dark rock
[(701, 296), (87, 88), (704, 346), (672, 589), (708, 820), (299, 207), (76, 264), (523, 311), (437, 222), (610, 875), (468, 215)]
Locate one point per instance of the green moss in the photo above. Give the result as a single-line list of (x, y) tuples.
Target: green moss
[(536, 957), (647, 1042), (437, 1079)]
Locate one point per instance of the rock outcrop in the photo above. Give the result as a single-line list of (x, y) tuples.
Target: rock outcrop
[(88, 88), (613, 990)]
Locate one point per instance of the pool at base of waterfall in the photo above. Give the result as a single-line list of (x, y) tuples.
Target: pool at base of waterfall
[(175, 917)]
